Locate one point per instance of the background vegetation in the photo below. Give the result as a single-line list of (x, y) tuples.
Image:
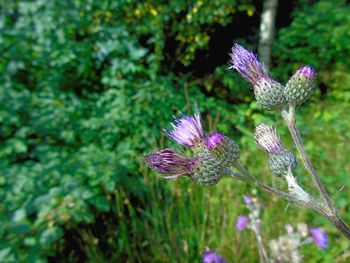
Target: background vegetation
[(85, 89)]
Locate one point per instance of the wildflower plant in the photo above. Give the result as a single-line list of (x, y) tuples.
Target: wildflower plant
[(285, 248), (215, 155)]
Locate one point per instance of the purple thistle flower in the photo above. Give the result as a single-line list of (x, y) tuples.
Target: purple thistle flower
[(241, 223), (268, 92), (319, 237), (247, 64), (214, 140), (300, 86), (212, 257), (307, 72), (247, 200), (171, 163), (187, 131), (266, 137)]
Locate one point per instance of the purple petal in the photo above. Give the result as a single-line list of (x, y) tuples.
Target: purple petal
[(247, 64), (242, 222), (171, 163), (247, 199), (214, 139), (266, 137), (187, 131), (212, 257), (319, 237)]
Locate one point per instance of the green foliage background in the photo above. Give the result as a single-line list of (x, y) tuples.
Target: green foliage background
[(85, 89)]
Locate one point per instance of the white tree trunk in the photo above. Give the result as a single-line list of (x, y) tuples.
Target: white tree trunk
[(267, 27)]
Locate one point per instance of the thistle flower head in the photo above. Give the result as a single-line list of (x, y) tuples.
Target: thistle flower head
[(319, 237), (268, 92), (171, 163), (223, 148), (247, 64), (241, 223), (300, 86), (212, 257), (266, 137), (187, 131)]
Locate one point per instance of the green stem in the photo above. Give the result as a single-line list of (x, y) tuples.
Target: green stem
[(290, 120), (261, 248)]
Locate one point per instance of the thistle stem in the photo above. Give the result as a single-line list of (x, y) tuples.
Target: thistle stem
[(331, 212), (340, 225), (261, 248), (252, 180), (310, 202), (290, 120)]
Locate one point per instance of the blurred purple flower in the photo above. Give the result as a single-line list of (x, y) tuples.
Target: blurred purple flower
[(241, 222), (247, 199), (187, 131), (212, 257), (171, 163), (319, 237)]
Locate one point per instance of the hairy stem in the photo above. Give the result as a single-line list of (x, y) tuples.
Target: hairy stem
[(252, 180), (332, 214), (261, 248), (290, 120), (310, 202), (340, 225)]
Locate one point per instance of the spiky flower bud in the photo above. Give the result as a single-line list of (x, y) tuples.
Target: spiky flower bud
[(187, 131), (208, 169), (223, 148), (299, 87), (171, 163), (268, 92), (266, 137), (282, 161), (204, 169)]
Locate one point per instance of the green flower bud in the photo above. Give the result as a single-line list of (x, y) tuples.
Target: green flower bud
[(223, 148), (208, 170), (269, 94), (300, 86), (281, 161)]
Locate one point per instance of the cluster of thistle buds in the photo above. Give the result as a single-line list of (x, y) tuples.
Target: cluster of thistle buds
[(269, 93), (272, 95), (215, 154), (285, 248), (212, 154)]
